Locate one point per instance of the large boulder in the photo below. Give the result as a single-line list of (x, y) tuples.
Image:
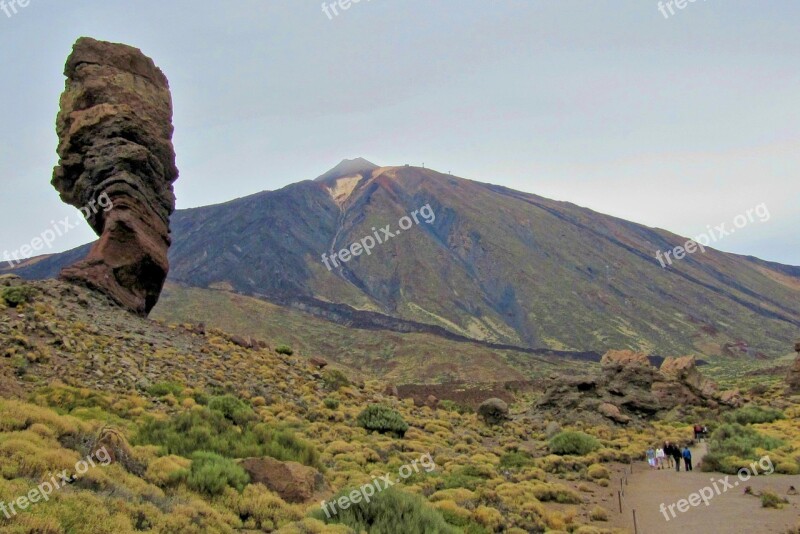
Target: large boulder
[(684, 370), (623, 358), (493, 411), (117, 165), (294, 482), (612, 412)]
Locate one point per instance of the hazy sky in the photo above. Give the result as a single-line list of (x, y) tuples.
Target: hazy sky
[(678, 123)]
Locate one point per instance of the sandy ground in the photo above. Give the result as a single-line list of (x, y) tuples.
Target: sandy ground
[(730, 512)]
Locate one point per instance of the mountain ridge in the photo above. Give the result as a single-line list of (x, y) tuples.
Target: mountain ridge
[(498, 265)]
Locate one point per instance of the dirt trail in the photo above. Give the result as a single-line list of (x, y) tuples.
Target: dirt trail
[(730, 512)]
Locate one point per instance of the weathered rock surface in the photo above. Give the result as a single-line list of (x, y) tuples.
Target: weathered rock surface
[(493, 411), (115, 143), (629, 387), (294, 482), (623, 358), (612, 412)]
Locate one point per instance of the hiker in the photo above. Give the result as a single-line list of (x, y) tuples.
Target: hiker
[(687, 458), (651, 458), (668, 453), (660, 457), (698, 432), (676, 455), (705, 432)]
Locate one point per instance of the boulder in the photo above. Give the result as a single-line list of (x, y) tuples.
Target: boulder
[(623, 358), (117, 165), (684, 370), (319, 363), (294, 482), (731, 398), (612, 412), (493, 411)]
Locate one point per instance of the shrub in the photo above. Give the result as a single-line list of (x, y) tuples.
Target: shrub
[(382, 419), (515, 460), (162, 389), (334, 380), (735, 439), (211, 474), (389, 511), (575, 443), (232, 408), (468, 477), (770, 499), (754, 415), (167, 470), (284, 349), (733, 447), (16, 295), (203, 429), (598, 472), (331, 403), (598, 513), (451, 406)]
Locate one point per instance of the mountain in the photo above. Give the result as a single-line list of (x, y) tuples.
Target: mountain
[(348, 167), (477, 261)]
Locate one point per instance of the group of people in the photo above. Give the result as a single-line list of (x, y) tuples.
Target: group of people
[(668, 456)]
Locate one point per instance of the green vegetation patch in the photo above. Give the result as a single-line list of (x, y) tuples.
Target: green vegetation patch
[(211, 473), (382, 419), (388, 512), (16, 295), (226, 428), (751, 415), (574, 443), (733, 447)]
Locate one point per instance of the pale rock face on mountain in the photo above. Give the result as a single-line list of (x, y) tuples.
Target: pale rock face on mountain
[(115, 148)]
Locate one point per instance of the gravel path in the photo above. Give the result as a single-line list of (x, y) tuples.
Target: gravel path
[(729, 512)]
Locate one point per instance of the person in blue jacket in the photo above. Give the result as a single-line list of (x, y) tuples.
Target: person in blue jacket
[(687, 458)]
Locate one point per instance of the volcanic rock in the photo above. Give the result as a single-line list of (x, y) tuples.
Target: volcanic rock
[(610, 411), (115, 149), (628, 388), (294, 482), (493, 411), (623, 358), (684, 369)]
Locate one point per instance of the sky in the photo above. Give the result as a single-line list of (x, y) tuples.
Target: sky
[(680, 122)]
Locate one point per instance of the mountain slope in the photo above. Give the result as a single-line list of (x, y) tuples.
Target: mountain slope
[(494, 264)]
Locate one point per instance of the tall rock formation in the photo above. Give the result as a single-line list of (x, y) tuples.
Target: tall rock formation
[(115, 148)]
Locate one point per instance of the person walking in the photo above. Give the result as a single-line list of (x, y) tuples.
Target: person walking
[(676, 455), (651, 458), (687, 458), (668, 453), (698, 432), (660, 457)]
